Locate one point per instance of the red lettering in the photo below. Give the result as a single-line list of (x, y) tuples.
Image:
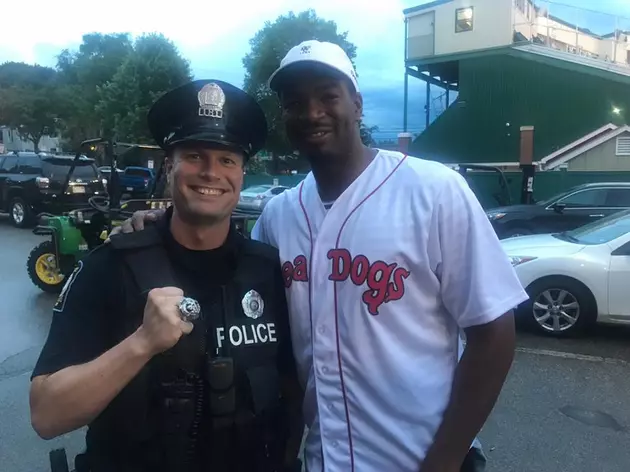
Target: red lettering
[(378, 281), (300, 272), (341, 264), (360, 269), (287, 273), (396, 288), (295, 271), (385, 282)]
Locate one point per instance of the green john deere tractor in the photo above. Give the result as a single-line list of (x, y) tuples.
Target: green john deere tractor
[(77, 232)]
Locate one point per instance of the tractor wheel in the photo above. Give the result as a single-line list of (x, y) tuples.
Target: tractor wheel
[(43, 268)]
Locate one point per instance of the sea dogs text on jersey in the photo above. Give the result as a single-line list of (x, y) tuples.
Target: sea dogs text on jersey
[(248, 334), (295, 271), (385, 282)]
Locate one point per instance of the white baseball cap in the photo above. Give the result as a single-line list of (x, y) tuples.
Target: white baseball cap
[(324, 53)]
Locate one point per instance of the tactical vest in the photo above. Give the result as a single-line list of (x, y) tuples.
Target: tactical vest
[(183, 412)]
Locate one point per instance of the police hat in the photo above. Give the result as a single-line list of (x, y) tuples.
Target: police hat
[(210, 111)]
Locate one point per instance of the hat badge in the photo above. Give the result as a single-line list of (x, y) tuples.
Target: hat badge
[(305, 49), (211, 101)]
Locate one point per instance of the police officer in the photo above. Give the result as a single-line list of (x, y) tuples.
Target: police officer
[(172, 344)]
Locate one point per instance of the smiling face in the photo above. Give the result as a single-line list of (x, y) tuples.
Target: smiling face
[(321, 111), (204, 182)]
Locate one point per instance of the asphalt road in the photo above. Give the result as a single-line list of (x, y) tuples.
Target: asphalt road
[(565, 407)]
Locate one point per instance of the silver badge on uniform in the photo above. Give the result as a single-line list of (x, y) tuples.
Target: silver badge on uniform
[(211, 101), (253, 304)]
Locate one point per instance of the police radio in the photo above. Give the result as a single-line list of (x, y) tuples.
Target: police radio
[(221, 375), (221, 383)]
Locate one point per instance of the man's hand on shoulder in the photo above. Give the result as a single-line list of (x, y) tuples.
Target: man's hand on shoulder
[(136, 222)]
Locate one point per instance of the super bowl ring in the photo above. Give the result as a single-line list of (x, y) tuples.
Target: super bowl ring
[(189, 309)]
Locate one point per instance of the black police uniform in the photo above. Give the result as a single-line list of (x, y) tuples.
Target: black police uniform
[(213, 401)]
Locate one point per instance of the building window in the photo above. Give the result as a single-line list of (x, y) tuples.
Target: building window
[(463, 19), (623, 146)]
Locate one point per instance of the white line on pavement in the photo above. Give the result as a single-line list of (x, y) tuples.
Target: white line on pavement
[(571, 355)]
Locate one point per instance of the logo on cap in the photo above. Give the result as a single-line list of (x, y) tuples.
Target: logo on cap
[(305, 49), (211, 101)]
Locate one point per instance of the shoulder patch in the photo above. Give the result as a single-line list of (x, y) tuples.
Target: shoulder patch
[(61, 300)]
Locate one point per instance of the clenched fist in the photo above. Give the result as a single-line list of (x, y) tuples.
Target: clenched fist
[(162, 325)]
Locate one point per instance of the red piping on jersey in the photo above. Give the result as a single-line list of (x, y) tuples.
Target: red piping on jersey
[(343, 386), (310, 285), (310, 237)]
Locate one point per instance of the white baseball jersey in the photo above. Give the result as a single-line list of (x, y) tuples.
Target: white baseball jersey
[(379, 286)]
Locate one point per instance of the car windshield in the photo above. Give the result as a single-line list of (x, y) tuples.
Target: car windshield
[(257, 189), (600, 231), (57, 169)]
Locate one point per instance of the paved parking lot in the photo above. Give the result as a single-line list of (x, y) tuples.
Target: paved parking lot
[(565, 407)]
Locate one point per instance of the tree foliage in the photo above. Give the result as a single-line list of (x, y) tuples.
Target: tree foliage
[(268, 46), (28, 100), (151, 69), (82, 73), (103, 89), (367, 134)]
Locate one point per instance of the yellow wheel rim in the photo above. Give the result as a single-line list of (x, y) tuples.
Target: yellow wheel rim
[(47, 270)]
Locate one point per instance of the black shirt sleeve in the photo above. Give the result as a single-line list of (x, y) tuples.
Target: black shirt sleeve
[(286, 358), (82, 315)]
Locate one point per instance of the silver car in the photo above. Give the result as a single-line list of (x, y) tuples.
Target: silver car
[(257, 196)]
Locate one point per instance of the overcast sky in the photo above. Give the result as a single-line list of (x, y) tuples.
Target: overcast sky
[(214, 37)]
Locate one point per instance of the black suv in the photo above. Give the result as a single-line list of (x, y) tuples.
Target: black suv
[(568, 210), (32, 183)]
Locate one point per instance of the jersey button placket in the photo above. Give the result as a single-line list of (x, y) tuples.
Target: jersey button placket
[(332, 422)]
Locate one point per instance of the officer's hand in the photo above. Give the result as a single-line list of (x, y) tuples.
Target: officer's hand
[(162, 325), (136, 222)]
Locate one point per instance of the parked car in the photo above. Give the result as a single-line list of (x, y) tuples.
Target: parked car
[(137, 181), (32, 183), (106, 171), (574, 278), (565, 211), (257, 196)]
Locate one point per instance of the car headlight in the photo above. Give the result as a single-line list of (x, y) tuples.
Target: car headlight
[(518, 260), (492, 216)]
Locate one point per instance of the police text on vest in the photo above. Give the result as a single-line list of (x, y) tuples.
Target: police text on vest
[(248, 334)]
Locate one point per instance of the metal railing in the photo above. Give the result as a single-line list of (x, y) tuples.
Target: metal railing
[(587, 33)]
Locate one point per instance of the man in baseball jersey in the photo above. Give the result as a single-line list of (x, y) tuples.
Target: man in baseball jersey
[(385, 257)]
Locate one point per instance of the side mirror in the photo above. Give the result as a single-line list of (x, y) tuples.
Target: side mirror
[(559, 207)]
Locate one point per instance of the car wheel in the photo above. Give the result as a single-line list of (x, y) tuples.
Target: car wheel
[(559, 307), (43, 268), (19, 213)]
